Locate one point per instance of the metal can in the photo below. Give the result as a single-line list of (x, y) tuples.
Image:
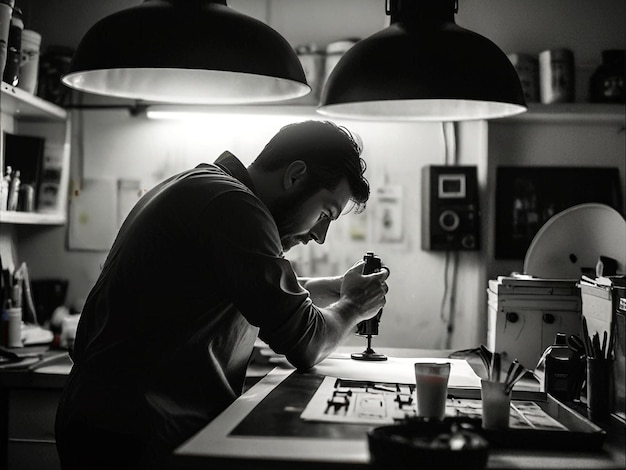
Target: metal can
[(527, 68), (556, 76), (26, 198)]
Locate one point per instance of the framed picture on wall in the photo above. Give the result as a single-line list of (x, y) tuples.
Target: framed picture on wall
[(526, 197)]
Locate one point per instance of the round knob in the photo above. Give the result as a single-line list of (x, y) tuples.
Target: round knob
[(548, 318), (468, 241), (512, 317), (449, 220)]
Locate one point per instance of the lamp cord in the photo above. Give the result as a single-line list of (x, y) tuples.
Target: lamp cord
[(268, 12)]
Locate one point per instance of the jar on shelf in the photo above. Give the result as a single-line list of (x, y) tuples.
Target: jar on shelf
[(312, 60), (6, 10), (606, 84), (527, 68), (53, 64), (334, 52), (556, 76), (29, 61), (11, 74)]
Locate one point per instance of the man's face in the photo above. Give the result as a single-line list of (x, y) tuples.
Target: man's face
[(306, 216)]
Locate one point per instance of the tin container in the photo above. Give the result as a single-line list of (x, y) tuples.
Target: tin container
[(6, 10), (527, 68), (556, 76), (11, 74), (312, 60), (26, 198), (334, 52), (29, 60)]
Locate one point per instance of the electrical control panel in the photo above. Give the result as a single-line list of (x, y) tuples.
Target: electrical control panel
[(450, 208)]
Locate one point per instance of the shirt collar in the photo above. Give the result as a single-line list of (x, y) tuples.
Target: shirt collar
[(233, 166)]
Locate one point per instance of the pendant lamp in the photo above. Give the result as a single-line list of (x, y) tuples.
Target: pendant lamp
[(186, 51), (423, 67)]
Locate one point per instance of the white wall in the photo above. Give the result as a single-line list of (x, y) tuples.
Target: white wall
[(120, 146)]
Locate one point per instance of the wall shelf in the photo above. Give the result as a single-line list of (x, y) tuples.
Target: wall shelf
[(42, 118), (31, 218), (587, 113), (24, 106)]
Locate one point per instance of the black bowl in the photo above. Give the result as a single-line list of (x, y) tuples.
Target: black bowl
[(454, 443)]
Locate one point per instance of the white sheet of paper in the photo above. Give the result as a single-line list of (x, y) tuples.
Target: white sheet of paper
[(394, 369)]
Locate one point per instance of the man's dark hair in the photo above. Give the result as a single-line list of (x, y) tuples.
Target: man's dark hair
[(331, 153)]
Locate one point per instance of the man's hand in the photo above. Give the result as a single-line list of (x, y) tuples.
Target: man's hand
[(358, 297), (365, 291)]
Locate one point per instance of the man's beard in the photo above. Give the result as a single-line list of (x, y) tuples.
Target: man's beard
[(285, 213)]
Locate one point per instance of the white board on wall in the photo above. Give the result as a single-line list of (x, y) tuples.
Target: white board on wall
[(93, 216)]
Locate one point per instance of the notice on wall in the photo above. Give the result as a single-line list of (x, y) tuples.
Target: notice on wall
[(93, 216), (389, 226)]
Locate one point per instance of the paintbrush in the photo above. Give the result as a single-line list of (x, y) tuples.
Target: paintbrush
[(587, 339), (604, 339), (609, 353), (516, 377), (597, 349), (485, 356)]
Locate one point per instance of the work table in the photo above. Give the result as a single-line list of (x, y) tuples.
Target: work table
[(263, 429), (271, 406), (29, 392)]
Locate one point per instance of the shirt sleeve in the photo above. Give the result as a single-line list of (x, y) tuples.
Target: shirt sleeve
[(244, 245)]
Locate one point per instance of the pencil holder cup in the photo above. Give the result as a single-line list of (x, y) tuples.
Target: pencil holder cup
[(598, 385), (13, 334), (496, 404)]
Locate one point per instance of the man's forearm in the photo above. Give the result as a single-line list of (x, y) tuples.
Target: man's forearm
[(323, 290), (337, 322)]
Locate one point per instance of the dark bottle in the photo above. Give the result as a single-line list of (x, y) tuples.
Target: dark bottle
[(11, 73), (55, 63), (606, 84), (563, 370)]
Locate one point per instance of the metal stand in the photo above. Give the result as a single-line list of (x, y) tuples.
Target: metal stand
[(369, 354)]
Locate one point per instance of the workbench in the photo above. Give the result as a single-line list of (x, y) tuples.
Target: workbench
[(263, 429), (29, 394)]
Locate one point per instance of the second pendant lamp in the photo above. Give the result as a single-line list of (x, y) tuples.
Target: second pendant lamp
[(423, 67)]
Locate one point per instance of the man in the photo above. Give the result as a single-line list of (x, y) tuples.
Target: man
[(195, 273)]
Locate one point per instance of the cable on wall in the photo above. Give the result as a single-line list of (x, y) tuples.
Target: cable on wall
[(448, 301), (449, 140)]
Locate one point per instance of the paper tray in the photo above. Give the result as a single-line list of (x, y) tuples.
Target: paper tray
[(582, 434)]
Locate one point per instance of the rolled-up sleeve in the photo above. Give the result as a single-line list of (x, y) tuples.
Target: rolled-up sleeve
[(243, 244)]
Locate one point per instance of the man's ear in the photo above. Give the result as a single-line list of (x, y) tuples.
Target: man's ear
[(294, 174)]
